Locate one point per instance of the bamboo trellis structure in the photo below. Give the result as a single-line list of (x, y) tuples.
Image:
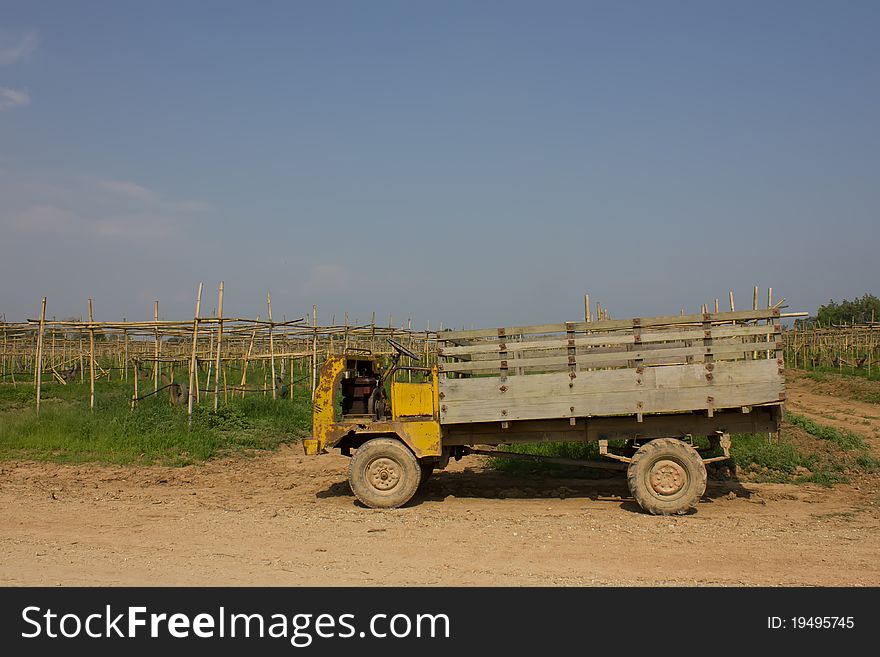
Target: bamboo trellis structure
[(238, 355), (846, 347), (195, 356)]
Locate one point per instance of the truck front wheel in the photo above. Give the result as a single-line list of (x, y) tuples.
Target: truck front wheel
[(384, 473), (666, 477)]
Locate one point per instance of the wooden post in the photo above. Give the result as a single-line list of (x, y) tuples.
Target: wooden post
[(314, 349), (156, 348), (409, 329), (210, 357), (91, 360), (38, 375), (247, 358), (271, 341), (427, 353), (134, 398), (217, 355), (4, 347), (193, 378), (125, 355)]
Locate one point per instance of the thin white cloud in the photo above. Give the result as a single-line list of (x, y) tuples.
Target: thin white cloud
[(93, 207), (137, 226), (129, 190), (12, 98), (15, 47)]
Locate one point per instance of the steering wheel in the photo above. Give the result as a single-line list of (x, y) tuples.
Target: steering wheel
[(401, 350)]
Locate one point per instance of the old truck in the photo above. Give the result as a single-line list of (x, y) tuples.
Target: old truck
[(649, 390)]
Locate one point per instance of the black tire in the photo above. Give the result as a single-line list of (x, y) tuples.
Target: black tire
[(666, 477), (384, 473), (427, 469)]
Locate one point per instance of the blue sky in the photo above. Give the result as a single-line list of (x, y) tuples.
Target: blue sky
[(475, 163)]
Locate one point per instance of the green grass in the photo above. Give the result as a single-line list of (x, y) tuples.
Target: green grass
[(817, 373), (846, 440), (155, 432), (585, 451), (783, 460), (776, 461)]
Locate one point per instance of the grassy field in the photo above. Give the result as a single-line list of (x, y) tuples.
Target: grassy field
[(818, 372), (155, 432)]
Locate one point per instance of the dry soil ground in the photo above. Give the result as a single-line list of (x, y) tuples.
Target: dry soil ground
[(283, 519)]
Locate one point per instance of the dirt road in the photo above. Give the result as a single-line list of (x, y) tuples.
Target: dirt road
[(830, 403), (284, 519)]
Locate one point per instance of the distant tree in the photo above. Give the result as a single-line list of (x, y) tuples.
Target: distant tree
[(861, 310)]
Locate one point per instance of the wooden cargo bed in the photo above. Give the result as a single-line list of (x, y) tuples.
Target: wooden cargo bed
[(637, 367)]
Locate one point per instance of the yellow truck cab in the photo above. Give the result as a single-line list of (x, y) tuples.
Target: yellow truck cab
[(392, 427)]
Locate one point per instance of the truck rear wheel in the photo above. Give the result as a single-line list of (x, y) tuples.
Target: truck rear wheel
[(666, 477), (384, 473)]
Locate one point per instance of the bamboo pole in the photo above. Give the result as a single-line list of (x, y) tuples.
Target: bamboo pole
[(91, 360), (217, 355), (210, 360), (192, 362), (290, 385), (314, 350), (271, 341), (125, 355), (134, 398), (156, 364), (247, 358), (38, 375), (5, 347)]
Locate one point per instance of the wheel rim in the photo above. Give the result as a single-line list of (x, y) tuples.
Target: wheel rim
[(384, 474), (667, 478)]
